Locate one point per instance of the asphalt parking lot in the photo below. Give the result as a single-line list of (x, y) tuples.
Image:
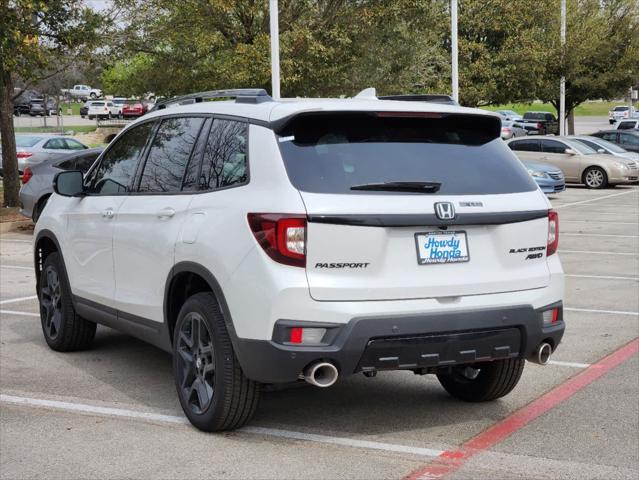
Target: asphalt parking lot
[(113, 412)]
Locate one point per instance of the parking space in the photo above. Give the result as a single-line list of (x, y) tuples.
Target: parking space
[(113, 412)]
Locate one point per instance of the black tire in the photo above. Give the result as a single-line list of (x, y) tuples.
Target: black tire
[(64, 330), (212, 389), (494, 380), (595, 178), (91, 117), (92, 95)]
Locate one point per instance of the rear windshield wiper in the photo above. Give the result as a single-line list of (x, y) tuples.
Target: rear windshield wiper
[(413, 187)]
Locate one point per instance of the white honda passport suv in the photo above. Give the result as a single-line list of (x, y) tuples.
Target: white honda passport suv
[(266, 242)]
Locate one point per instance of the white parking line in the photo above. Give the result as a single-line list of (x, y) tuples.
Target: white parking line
[(571, 234), (16, 300), (610, 312), (173, 419), (600, 221), (595, 199), (603, 277), (11, 240), (22, 314), (16, 267), (568, 364), (591, 252)]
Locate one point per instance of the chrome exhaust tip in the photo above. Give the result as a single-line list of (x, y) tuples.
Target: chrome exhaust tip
[(543, 352), (321, 374)]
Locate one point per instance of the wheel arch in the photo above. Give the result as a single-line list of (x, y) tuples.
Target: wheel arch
[(45, 243), (185, 279)]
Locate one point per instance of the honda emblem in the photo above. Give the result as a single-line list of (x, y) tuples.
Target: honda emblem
[(445, 210)]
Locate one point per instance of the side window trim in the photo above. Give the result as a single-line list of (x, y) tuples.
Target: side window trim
[(202, 139), (137, 175)]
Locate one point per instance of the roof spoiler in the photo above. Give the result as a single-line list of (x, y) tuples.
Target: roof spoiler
[(241, 95)]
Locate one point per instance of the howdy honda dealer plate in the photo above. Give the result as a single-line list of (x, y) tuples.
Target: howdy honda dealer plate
[(442, 247)]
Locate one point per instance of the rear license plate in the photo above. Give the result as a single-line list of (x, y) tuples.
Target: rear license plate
[(441, 247)]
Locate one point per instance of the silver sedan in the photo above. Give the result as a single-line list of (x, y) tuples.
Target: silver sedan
[(511, 129), (35, 148)]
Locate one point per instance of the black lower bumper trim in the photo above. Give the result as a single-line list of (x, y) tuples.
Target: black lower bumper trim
[(407, 342)]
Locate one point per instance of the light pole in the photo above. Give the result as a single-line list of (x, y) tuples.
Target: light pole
[(453, 48), (562, 82), (275, 49)]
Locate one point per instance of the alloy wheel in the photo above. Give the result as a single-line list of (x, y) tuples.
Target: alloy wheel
[(51, 302), (594, 178), (196, 363)]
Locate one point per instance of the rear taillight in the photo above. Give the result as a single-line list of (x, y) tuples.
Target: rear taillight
[(23, 154), (505, 130), (553, 232), (538, 126), (26, 175), (282, 236), (550, 317)]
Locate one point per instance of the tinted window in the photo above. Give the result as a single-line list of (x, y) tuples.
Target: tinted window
[(629, 139), (169, 154), (56, 144), (525, 146), (67, 164), (610, 136), (553, 146), (224, 162), (626, 125), (117, 167), (332, 153), (84, 162), (74, 144)]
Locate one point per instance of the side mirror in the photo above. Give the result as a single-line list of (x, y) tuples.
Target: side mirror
[(570, 151), (69, 183)]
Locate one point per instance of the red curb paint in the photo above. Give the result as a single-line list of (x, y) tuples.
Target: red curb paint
[(451, 461)]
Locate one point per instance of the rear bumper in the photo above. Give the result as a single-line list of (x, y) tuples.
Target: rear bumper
[(410, 342)]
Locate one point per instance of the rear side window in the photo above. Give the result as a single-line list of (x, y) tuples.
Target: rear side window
[(169, 154), (330, 153), (525, 146), (56, 144), (74, 144), (117, 166), (225, 163)]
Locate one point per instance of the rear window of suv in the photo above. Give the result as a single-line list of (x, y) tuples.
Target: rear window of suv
[(330, 153)]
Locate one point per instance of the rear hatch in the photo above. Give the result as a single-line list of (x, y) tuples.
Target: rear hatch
[(409, 206)]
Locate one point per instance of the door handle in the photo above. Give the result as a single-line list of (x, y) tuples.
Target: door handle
[(167, 212), (108, 213)]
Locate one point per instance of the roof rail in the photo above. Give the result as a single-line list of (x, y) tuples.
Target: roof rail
[(241, 95)]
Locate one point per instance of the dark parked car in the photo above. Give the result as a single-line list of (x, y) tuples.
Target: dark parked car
[(22, 104), (540, 123), (84, 109), (628, 139), (37, 106), (37, 180)]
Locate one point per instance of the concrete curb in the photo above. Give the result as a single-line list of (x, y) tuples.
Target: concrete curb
[(6, 227)]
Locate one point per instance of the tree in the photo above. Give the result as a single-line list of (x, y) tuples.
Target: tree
[(601, 55), (328, 47), (37, 39)]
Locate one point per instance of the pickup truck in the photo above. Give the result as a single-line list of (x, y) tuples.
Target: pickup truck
[(81, 92), (540, 123)]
